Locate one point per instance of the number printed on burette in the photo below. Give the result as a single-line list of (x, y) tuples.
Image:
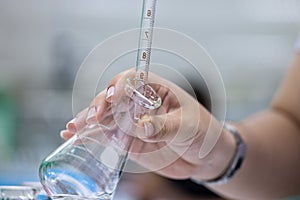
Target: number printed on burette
[(149, 13), (144, 55), (145, 39)]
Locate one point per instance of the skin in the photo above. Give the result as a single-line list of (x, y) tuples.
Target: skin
[(271, 166)]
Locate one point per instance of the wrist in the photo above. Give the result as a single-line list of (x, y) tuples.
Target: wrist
[(234, 164), (218, 159)]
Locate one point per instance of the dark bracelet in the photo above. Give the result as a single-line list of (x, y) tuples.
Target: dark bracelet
[(234, 164)]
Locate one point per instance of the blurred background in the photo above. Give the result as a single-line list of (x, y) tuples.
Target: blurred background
[(43, 43)]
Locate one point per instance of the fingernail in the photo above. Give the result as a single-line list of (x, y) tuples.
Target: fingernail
[(149, 129), (71, 125), (148, 126), (110, 92), (91, 116), (65, 134)]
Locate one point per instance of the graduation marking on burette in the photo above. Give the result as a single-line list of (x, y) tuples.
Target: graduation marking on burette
[(145, 41)]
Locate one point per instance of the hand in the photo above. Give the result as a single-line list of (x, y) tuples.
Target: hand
[(168, 141)]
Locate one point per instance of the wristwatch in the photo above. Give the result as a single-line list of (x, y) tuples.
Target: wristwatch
[(234, 164)]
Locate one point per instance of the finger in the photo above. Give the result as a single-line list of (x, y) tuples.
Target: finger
[(160, 158), (89, 115), (160, 127), (66, 134), (115, 89), (83, 112), (170, 101), (78, 122), (97, 108)]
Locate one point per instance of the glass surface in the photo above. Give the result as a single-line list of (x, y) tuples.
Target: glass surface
[(17, 193), (89, 165), (84, 166)]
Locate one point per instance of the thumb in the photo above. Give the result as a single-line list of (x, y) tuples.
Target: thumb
[(160, 127), (115, 89)]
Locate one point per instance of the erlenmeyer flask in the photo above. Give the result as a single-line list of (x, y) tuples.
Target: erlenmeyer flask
[(89, 165)]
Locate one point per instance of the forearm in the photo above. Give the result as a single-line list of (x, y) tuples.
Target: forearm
[(271, 167), (267, 171)]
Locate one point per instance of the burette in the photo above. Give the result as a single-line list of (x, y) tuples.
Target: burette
[(144, 48), (145, 40)]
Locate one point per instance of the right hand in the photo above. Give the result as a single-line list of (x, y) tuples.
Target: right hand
[(175, 132)]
